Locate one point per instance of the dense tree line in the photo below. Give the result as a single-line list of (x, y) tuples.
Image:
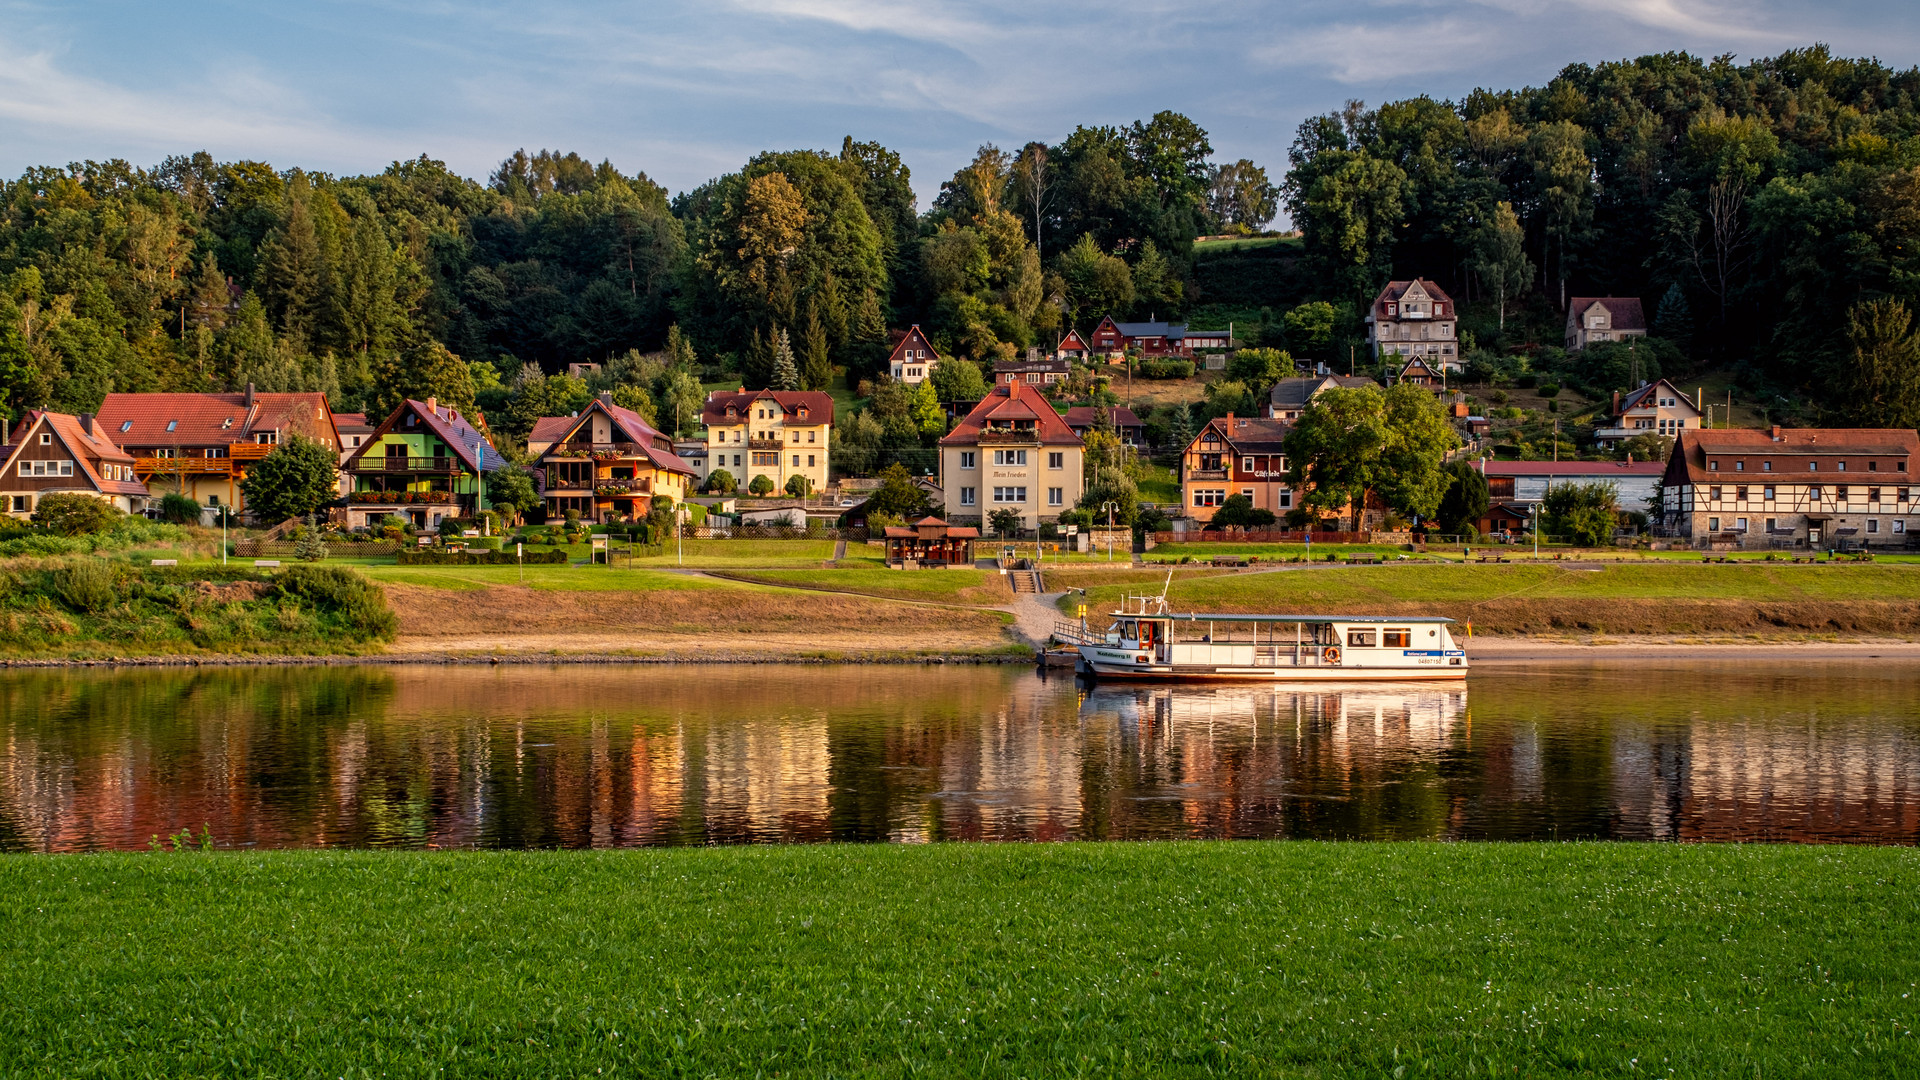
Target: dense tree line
[(1753, 206)]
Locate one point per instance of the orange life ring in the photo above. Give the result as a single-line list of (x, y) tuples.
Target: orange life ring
[(1332, 654)]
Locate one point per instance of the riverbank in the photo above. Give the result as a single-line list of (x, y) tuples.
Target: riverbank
[(1197, 959)]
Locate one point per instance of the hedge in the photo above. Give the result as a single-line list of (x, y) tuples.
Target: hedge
[(478, 558)]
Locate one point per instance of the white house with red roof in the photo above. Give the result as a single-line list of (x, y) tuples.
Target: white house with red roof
[(1072, 347), (778, 434), (1013, 451), (606, 461), (425, 462), (202, 445), (57, 453), (913, 357), (1415, 318), (1793, 487)]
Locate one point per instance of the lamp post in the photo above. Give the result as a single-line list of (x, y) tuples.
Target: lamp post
[(1536, 530), (1109, 508), (679, 532)]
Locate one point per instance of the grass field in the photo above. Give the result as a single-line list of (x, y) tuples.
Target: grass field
[(953, 586), (1128, 959)]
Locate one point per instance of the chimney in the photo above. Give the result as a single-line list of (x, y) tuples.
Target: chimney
[(1616, 402), (86, 423), (1776, 433), (606, 398), (249, 395), (433, 406)]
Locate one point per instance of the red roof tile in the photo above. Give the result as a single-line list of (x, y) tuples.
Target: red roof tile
[(819, 405), (1010, 402), (155, 420)]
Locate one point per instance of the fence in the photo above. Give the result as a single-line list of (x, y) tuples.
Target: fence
[(1217, 536), (773, 532), (335, 546)]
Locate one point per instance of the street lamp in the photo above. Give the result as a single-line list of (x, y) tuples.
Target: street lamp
[(1109, 508), (680, 532)]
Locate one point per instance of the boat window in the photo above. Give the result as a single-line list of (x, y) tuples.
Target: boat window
[(1129, 631), (1396, 639), (1360, 639)]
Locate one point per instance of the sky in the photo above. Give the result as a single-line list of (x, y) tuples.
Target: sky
[(688, 91)]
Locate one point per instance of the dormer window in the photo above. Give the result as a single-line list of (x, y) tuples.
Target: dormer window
[(1813, 466), (1739, 466), (1713, 466), (1766, 466), (1842, 466), (1873, 466)]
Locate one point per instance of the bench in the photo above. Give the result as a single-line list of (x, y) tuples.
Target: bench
[(266, 562), (166, 562), (1229, 560), (1363, 557)]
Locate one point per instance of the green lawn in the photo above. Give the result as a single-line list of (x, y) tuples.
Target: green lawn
[(564, 578), (1148, 960), (960, 585), (1321, 588), (1160, 485), (743, 553)]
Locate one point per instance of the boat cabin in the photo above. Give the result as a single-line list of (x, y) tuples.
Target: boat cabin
[(1192, 641)]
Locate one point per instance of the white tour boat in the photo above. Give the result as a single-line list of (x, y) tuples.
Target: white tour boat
[(1147, 640)]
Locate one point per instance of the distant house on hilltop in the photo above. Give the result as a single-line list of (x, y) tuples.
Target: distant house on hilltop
[(1414, 318), (1604, 318), (913, 357)]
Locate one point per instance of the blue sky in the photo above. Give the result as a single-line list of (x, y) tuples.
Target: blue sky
[(689, 91)]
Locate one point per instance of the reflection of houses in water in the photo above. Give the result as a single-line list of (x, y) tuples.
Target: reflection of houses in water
[(1761, 779)]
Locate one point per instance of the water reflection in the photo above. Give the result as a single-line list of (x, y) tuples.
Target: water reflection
[(618, 756)]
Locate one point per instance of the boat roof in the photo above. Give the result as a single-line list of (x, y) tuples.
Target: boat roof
[(1196, 616)]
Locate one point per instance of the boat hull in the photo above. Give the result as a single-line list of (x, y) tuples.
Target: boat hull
[(1108, 663)]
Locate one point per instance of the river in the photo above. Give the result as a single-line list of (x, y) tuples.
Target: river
[(522, 756)]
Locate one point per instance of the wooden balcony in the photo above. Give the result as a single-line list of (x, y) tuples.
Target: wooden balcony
[(237, 456), (370, 463), (1009, 437), (580, 451), (765, 444), (1206, 474)]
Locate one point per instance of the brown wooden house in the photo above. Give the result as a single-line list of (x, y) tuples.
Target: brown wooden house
[(55, 453), (930, 542)]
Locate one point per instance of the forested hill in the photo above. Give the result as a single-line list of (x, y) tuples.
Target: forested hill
[(1753, 206)]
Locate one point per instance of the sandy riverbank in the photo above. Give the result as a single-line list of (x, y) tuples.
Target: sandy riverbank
[(1500, 650)]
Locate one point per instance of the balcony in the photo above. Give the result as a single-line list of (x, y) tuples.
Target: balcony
[(765, 444), (1206, 474), (406, 464), (230, 461), (594, 450), (1009, 437)]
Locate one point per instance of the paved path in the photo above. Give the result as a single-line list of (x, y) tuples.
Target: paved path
[(1034, 616)]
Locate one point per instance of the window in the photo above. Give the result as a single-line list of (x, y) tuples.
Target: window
[(1713, 494), (1771, 524), (1359, 639), (1713, 524), (1899, 526), (1740, 466), (1248, 492), (1873, 466), (1766, 466), (171, 424), (1840, 492), (1813, 466), (126, 425), (967, 459), (1873, 495), (810, 436), (796, 436), (1903, 494), (1246, 464), (1873, 525), (1740, 493), (1209, 497), (736, 461), (1767, 493), (1009, 457), (21, 504), (1842, 466), (1813, 493), (809, 461), (1056, 496), (796, 461), (1396, 639), (1713, 466), (966, 496), (46, 438), (66, 468), (1285, 500), (1739, 525), (267, 438), (1056, 459), (1009, 494)]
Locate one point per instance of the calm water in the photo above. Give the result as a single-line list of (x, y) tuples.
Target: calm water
[(614, 756)]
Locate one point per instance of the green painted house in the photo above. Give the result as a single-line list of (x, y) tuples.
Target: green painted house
[(424, 463)]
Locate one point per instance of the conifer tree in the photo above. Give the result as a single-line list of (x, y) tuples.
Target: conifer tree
[(1674, 319), (785, 375), (817, 368)]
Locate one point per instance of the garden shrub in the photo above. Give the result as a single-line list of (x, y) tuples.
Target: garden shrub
[(339, 591), (178, 509), (69, 514)]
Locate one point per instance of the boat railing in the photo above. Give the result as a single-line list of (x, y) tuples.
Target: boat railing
[(1072, 633)]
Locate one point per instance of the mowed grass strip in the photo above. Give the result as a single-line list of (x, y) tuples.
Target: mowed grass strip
[(1198, 959), (958, 585), (1343, 585)]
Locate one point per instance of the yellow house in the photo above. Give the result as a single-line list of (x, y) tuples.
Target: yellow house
[(778, 434), (606, 462)]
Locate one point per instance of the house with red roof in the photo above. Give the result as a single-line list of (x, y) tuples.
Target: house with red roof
[(425, 462), (778, 434), (1415, 318), (1792, 487), (202, 445), (1012, 451), (607, 462), (1072, 347), (56, 453), (1237, 455), (1604, 318), (913, 357)]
